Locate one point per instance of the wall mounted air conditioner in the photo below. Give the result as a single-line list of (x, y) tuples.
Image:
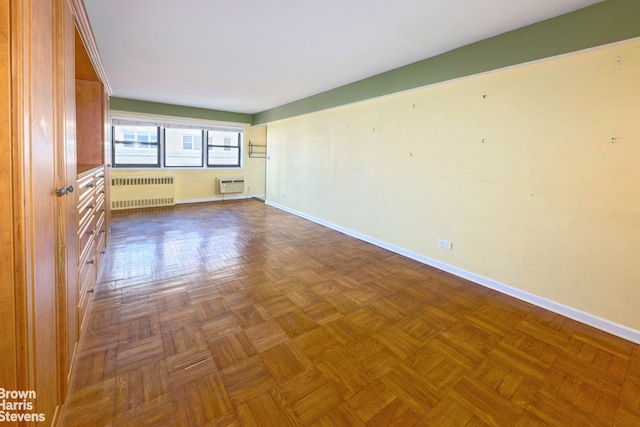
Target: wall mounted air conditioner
[(230, 185)]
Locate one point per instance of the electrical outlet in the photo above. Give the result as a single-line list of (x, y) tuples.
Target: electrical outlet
[(445, 244)]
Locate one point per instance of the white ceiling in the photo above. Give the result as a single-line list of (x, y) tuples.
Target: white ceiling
[(248, 56)]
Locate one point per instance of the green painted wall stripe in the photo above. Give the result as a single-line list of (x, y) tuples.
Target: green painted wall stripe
[(606, 22), (136, 106)]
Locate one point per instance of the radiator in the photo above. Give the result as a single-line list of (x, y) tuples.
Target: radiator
[(129, 192), (230, 185)]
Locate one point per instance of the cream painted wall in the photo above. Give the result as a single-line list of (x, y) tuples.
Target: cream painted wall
[(515, 167), (198, 185)]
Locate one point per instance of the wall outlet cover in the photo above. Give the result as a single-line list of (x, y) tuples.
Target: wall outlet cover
[(445, 244)]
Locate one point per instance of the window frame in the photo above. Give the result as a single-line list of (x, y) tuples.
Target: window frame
[(114, 156), (161, 123), (164, 157), (238, 164)]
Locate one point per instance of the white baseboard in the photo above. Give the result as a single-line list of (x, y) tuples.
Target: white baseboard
[(564, 310), (221, 198)]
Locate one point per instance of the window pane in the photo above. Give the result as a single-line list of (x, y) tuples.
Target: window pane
[(219, 156), (187, 142), (135, 146), (183, 147), (223, 148)]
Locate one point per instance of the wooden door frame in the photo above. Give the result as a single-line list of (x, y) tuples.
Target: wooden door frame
[(8, 332), (23, 326)]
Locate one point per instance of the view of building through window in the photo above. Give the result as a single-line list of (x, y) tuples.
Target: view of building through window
[(159, 146), (223, 148), (182, 147), (136, 145)]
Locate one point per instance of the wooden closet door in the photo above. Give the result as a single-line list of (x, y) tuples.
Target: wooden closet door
[(37, 156), (41, 203), (38, 213), (67, 220)]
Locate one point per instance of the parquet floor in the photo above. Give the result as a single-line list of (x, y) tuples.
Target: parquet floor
[(236, 313)]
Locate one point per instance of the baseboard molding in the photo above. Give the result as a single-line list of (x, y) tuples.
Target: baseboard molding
[(564, 310), (221, 198)]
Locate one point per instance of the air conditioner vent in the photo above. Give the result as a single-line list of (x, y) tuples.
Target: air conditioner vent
[(230, 185)]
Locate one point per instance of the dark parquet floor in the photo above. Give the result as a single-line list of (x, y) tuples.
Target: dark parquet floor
[(236, 313)]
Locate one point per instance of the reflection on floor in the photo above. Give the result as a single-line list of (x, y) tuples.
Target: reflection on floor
[(236, 313)]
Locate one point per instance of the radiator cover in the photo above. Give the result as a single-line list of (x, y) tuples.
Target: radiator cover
[(130, 192)]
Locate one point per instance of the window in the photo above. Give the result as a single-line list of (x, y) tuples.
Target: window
[(187, 142), (136, 146), (223, 148), (183, 147), (174, 144)]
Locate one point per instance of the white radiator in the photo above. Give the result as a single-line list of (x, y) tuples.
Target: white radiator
[(230, 185), (129, 192)]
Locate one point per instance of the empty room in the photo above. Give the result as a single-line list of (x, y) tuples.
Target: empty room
[(270, 213)]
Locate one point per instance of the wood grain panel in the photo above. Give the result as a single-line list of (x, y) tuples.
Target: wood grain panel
[(41, 151), (84, 69), (67, 278), (8, 315), (89, 123), (38, 156)]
